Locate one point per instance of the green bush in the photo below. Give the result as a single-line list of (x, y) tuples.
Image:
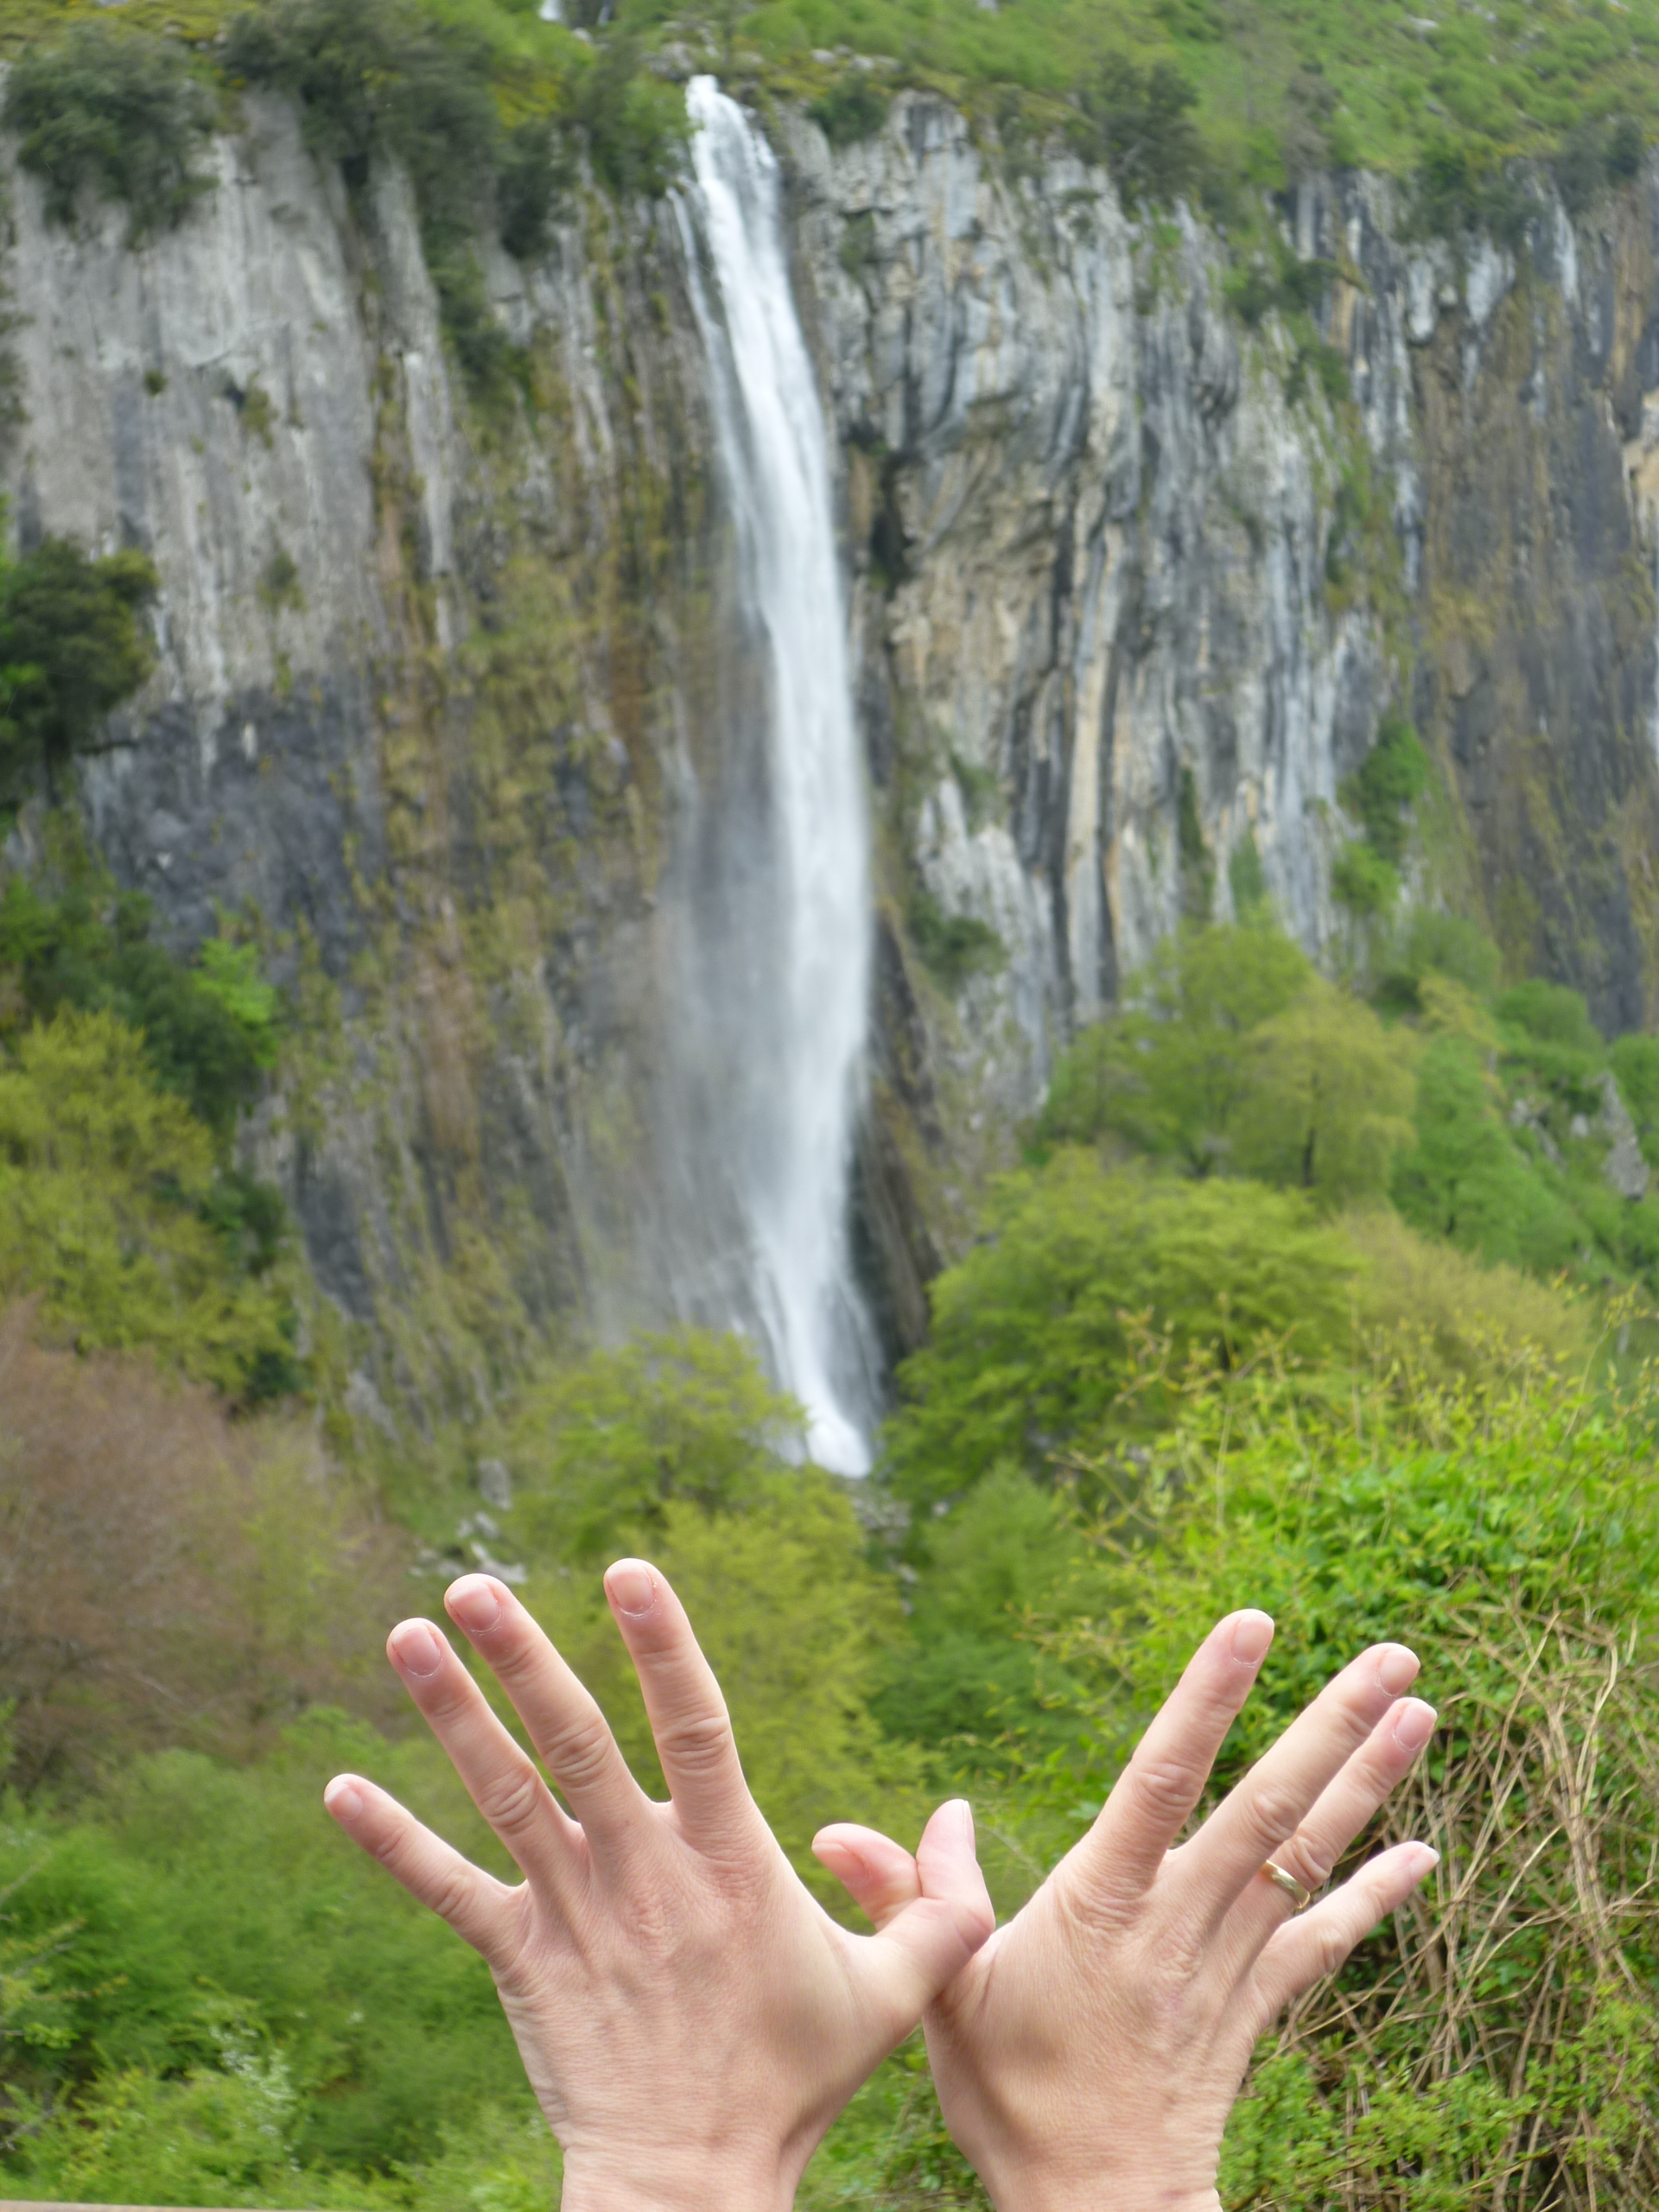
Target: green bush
[(1387, 783), (635, 125), (71, 648), (118, 114), (953, 948), (1167, 1073), (1138, 122), (850, 110), (105, 1185), (209, 1031), (1035, 1333)]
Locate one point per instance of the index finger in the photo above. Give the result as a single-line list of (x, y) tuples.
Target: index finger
[(1165, 1778)]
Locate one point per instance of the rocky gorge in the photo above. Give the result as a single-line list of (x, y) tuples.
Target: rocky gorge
[(447, 679)]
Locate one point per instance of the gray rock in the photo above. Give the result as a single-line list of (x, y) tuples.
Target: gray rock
[(1624, 1168)]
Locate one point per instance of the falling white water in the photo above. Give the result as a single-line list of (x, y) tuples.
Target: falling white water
[(793, 1008)]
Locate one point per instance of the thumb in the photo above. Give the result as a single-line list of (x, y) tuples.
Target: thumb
[(878, 1874), (926, 1941)]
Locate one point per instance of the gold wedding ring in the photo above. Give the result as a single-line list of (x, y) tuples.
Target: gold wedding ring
[(1282, 1878)]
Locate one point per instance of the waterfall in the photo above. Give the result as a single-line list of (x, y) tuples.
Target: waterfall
[(779, 979)]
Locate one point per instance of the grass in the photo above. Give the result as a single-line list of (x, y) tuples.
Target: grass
[(1280, 83)]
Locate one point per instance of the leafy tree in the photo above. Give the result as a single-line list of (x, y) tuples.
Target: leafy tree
[(1139, 123), (1168, 1073), (1324, 1098), (209, 1031), (102, 1177), (71, 648), (1466, 1179), (600, 1449), (118, 114), (1035, 1332)]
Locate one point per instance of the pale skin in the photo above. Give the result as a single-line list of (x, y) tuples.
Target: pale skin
[(1089, 2054), (692, 2021)]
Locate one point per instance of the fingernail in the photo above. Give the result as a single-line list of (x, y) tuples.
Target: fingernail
[(1396, 1670), (962, 1813), (418, 1649), (474, 1603), (1252, 1634), (1415, 1726), (631, 1589), (343, 1798), (1427, 1859)]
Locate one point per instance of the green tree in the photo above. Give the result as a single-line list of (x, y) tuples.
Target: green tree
[(115, 112), (102, 1177), (1326, 1092), (600, 1449), (71, 648), (1167, 1073), (1035, 1332), (1465, 1178)]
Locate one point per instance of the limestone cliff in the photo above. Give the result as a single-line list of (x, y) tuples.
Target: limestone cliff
[(1130, 586)]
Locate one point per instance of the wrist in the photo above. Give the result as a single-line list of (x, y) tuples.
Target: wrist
[(1103, 2190), (639, 2183)]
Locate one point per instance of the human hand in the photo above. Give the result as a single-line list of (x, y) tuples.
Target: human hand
[(690, 2019), (1089, 2054)]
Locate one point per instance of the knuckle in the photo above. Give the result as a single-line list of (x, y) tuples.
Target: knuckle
[(580, 1751), (697, 1743), (1169, 1787), (513, 1802), (452, 1898), (1273, 1814)]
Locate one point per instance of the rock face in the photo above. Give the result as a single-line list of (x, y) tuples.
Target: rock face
[(1131, 584)]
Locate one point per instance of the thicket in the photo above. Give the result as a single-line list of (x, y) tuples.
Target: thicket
[(118, 115), (73, 648)]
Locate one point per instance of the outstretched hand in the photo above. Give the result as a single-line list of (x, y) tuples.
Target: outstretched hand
[(1089, 2054), (690, 2019)]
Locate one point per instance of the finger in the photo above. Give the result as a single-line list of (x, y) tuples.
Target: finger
[(925, 1944), (1165, 1779), (477, 1906), (1260, 1816), (688, 1715), (1304, 1951), (879, 1875), (500, 1780), (560, 1714), (1338, 1816)]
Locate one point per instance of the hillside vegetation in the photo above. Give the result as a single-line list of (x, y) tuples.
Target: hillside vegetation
[(1209, 95)]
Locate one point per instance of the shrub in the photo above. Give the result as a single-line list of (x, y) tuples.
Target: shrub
[(851, 109), (1138, 122), (117, 114), (635, 125), (1035, 1332), (1387, 783), (104, 1179), (600, 1449), (1364, 882), (71, 648), (209, 1031), (534, 169), (953, 948)]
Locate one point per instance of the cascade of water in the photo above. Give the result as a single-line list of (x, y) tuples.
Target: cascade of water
[(787, 995)]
